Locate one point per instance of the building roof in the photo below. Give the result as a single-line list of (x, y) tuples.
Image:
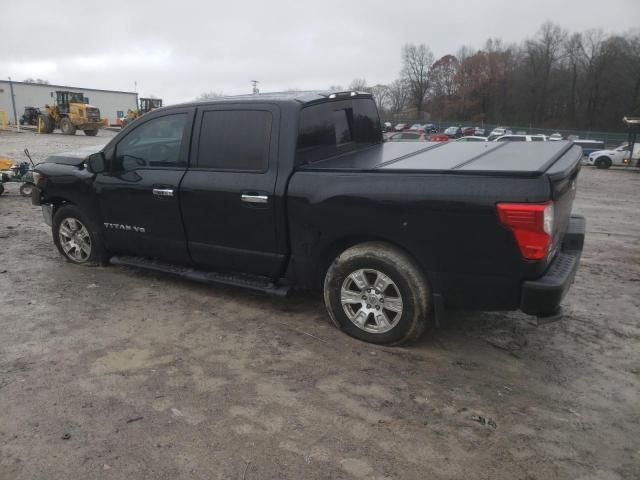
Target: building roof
[(66, 87)]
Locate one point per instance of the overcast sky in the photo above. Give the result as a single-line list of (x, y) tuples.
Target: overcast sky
[(179, 49)]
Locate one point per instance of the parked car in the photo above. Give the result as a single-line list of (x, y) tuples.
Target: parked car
[(468, 130), (430, 128), (438, 137), (499, 132), (479, 132), (417, 127), (387, 127), (453, 132), (589, 146), (472, 138), (185, 190), (555, 137), (521, 138), (407, 137), (400, 127), (619, 156)]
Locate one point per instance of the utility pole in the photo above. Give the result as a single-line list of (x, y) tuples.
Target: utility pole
[(13, 102), (254, 84)]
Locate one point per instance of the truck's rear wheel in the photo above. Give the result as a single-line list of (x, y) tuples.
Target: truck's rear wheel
[(67, 127), (375, 292), (91, 133), (77, 239), (603, 162)]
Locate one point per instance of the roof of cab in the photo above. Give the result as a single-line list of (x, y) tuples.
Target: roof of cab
[(299, 97)]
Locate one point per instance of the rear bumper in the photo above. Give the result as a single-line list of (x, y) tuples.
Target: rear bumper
[(542, 296)]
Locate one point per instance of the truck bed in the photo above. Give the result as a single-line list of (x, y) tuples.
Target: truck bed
[(526, 159)]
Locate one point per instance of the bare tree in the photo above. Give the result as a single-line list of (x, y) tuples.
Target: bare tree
[(358, 85), (543, 53), (398, 94), (417, 61), (39, 81), (209, 96)]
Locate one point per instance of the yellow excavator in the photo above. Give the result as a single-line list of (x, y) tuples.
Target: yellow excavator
[(70, 113), (146, 105)]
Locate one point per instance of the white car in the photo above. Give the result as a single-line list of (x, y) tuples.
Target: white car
[(471, 138), (521, 138), (618, 156), (555, 137), (500, 131)]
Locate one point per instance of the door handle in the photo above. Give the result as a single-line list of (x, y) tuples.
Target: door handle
[(245, 197), (163, 192)]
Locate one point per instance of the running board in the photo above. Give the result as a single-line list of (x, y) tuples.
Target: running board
[(258, 284)]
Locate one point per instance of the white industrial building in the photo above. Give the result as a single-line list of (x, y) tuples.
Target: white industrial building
[(112, 104)]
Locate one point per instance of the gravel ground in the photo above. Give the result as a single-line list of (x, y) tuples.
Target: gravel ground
[(115, 373)]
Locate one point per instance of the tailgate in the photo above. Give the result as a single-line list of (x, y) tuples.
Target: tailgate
[(563, 176)]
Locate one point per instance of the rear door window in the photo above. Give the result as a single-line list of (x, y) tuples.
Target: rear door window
[(235, 140)]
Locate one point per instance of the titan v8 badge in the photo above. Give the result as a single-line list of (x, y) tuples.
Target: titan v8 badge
[(126, 228)]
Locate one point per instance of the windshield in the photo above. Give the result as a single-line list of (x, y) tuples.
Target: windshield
[(76, 98)]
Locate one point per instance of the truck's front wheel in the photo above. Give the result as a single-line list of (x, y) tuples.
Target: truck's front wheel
[(77, 239), (375, 292)]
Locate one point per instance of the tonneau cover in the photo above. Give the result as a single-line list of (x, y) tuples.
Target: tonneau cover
[(499, 158)]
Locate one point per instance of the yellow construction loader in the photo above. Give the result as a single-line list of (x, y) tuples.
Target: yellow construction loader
[(146, 105), (69, 114)]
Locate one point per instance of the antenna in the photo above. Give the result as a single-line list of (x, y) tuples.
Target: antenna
[(254, 84)]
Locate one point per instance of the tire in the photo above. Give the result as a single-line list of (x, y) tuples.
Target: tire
[(65, 220), (404, 304), (47, 125), (26, 189), (603, 162), (91, 133), (1, 189), (67, 127)]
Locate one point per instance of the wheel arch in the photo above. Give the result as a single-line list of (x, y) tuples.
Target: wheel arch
[(57, 202), (334, 248)]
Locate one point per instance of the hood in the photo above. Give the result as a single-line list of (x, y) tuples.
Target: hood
[(601, 152), (74, 157)]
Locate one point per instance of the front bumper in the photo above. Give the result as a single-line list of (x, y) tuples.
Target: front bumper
[(47, 209), (542, 296)]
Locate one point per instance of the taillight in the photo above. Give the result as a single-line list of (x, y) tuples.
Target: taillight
[(532, 226)]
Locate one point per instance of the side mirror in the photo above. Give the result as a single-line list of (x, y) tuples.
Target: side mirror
[(96, 163)]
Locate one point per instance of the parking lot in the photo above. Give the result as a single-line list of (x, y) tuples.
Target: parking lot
[(115, 373)]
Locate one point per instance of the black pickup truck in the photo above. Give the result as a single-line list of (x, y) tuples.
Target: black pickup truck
[(298, 190)]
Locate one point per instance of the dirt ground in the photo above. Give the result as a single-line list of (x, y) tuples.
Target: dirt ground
[(115, 373)]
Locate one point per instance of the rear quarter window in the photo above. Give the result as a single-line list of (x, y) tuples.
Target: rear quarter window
[(331, 128)]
